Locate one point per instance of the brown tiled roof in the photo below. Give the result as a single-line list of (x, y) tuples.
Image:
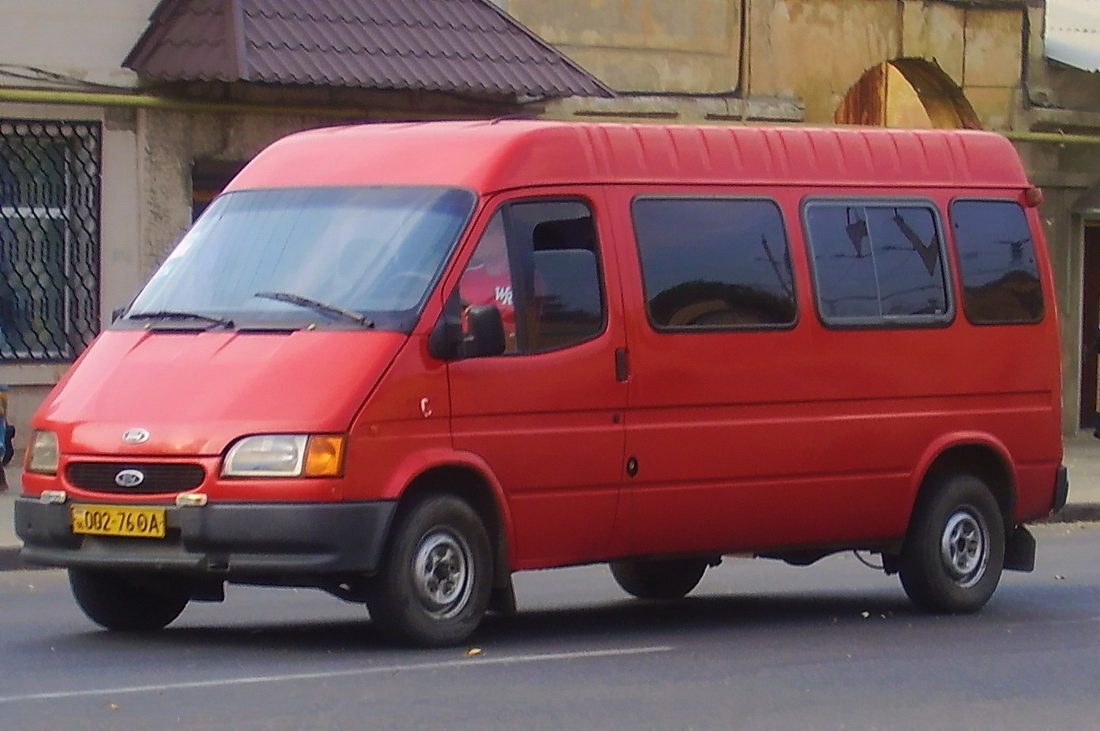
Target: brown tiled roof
[(468, 46)]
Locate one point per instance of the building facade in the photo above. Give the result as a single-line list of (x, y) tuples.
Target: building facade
[(114, 134), (905, 63), (120, 119)]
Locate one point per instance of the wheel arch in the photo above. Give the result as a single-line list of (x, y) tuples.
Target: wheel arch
[(980, 456), (475, 485)]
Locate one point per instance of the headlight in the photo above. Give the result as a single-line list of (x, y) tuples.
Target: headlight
[(286, 455), (42, 456)]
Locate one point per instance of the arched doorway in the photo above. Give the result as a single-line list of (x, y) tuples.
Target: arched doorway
[(907, 92)]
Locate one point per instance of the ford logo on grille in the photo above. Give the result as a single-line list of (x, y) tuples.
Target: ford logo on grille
[(135, 436), (129, 478)]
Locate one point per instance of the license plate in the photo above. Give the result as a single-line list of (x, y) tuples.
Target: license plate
[(118, 520)]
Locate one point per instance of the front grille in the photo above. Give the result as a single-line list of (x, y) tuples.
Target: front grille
[(157, 478)]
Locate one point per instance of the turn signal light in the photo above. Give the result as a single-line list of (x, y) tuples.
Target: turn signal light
[(325, 456)]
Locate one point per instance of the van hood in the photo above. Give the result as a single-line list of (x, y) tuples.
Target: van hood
[(195, 392)]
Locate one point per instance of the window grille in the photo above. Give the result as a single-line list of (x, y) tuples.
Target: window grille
[(49, 239)]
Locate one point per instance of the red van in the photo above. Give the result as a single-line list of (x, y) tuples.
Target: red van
[(400, 362)]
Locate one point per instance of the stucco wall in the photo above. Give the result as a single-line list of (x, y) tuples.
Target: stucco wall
[(817, 49), (810, 50), (1065, 172), (1073, 88), (686, 46), (170, 143), (84, 40)]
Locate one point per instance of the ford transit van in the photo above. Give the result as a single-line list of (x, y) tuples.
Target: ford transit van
[(400, 362)]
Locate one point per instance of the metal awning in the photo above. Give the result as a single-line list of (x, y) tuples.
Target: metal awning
[(1073, 33)]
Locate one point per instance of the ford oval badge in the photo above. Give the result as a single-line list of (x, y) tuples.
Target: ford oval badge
[(129, 478), (135, 436)]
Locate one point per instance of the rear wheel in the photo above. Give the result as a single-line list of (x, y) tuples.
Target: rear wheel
[(128, 602), (434, 586), (669, 578), (954, 552)]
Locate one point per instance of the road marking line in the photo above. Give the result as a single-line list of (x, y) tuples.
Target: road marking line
[(442, 665)]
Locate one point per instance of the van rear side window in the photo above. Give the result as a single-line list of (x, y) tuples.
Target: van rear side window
[(877, 263), (997, 262), (714, 263)]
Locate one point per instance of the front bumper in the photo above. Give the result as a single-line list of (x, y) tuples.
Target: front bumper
[(233, 540)]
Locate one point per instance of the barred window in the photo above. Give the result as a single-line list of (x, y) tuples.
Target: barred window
[(49, 239)]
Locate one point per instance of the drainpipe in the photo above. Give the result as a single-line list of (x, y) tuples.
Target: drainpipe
[(1055, 137), (146, 101), (743, 80)]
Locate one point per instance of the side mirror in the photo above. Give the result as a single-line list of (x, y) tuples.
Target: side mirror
[(485, 332), (482, 336), (445, 340)]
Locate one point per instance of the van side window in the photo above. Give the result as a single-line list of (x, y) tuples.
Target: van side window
[(997, 262), (714, 263), (537, 262), (877, 263)]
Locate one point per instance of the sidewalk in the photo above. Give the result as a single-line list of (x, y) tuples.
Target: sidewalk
[(1082, 459)]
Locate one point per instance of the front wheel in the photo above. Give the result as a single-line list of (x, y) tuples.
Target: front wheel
[(670, 578), (128, 602), (434, 585), (954, 552)]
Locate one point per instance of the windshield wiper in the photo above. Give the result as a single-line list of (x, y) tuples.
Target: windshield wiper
[(177, 315), (316, 306)]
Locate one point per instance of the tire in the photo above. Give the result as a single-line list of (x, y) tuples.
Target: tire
[(659, 578), (128, 602), (434, 585), (954, 552)]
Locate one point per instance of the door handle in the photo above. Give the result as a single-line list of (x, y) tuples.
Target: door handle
[(622, 365)]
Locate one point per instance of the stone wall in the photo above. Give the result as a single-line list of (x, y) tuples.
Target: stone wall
[(680, 47), (808, 51)]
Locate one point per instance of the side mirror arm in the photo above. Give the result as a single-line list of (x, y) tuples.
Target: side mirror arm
[(445, 340)]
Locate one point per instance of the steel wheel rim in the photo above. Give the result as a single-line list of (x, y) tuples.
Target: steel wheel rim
[(443, 573), (964, 548)]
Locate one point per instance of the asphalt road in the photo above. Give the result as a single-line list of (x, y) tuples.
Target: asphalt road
[(759, 645)]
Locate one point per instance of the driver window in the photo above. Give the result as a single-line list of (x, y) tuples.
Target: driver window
[(537, 262), (488, 279)]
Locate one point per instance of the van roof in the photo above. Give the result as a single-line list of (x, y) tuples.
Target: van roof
[(489, 156)]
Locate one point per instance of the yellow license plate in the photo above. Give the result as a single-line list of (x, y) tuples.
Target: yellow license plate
[(118, 520)]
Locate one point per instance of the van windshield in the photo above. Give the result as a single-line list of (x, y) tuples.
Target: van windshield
[(346, 257)]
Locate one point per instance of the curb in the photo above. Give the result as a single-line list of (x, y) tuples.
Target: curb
[(1078, 513)]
